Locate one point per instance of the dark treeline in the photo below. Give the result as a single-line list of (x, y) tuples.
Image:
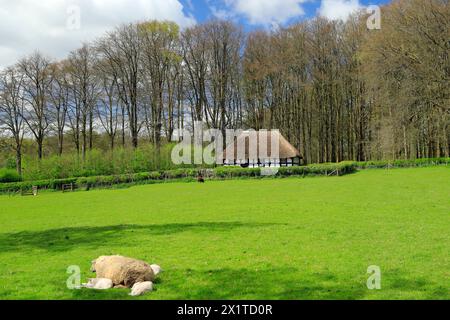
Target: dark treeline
[(336, 90)]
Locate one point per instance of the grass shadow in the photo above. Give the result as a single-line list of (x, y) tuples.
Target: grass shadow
[(270, 284), (290, 283), (64, 239), (403, 281), (239, 284)]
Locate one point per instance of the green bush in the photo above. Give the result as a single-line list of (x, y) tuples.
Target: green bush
[(189, 174), (10, 187), (319, 169), (126, 161), (57, 184), (10, 163), (231, 172), (99, 163), (403, 163), (9, 175), (311, 170)]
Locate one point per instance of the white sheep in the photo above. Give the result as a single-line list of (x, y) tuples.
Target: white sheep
[(140, 288), (156, 269), (99, 284), (123, 272)]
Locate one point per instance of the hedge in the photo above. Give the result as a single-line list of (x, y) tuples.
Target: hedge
[(52, 184), (339, 169), (190, 174), (177, 174), (403, 163), (9, 175)]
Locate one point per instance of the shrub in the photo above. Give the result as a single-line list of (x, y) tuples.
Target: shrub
[(9, 175), (189, 174), (320, 169), (99, 163), (57, 184), (10, 187), (231, 172), (10, 163), (403, 163)]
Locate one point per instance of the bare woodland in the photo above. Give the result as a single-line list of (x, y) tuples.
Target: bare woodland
[(336, 90)]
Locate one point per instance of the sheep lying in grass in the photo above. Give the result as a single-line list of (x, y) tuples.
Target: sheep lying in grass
[(123, 272), (156, 269), (98, 284), (140, 288)]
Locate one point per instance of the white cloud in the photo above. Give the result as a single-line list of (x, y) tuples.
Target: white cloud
[(338, 9), (265, 12), (27, 25)]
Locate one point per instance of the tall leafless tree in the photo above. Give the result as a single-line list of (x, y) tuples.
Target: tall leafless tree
[(85, 91), (122, 50), (36, 84), (12, 106)]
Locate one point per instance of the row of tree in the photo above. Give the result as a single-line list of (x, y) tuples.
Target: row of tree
[(340, 91), (337, 90)]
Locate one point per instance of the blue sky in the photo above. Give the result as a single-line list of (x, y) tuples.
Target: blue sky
[(203, 10), (56, 27)]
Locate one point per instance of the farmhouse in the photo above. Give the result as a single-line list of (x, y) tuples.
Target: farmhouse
[(261, 149)]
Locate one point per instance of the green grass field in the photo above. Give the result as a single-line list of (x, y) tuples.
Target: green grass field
[(293, 238)]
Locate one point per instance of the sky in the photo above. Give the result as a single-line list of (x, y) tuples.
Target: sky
[(55, 27)]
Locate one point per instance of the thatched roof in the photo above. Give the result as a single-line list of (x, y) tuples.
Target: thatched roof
[(286, 150)]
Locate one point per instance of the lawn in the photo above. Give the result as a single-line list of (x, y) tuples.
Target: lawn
[(292, 238)]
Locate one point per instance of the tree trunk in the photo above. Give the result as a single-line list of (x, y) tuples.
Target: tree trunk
[(60, 143), (84, 137), (91, 129), (19, 160), (40, 148)]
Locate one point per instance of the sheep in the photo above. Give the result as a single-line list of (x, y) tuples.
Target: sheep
[(156, 269), (123, 271), (99, 284), (200, 178), (140, 288)]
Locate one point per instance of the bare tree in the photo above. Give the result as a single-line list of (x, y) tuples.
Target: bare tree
[(122, 50), (226, 41), (108, 109), (194, 42), (213, 64), (408, 70), (74, 112), (59, 100), (85, 88), (36, 84), (159, 56), (11, 110), (336, 90)]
